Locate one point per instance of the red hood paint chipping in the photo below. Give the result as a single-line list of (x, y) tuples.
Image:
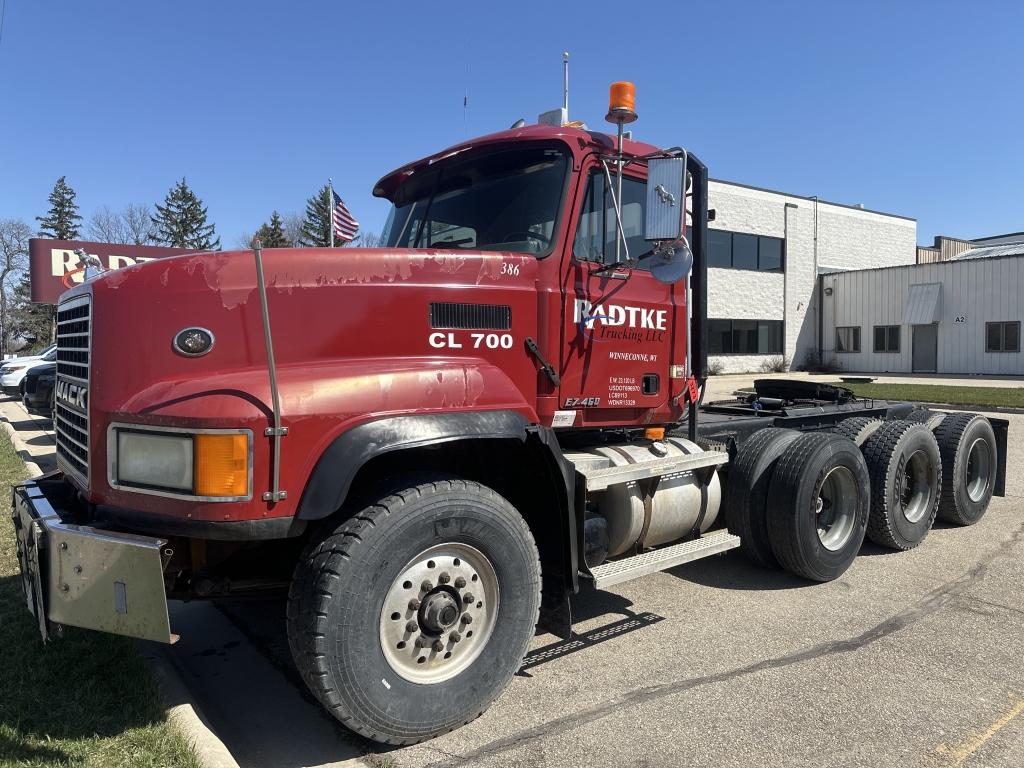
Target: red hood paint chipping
[(350, 329)]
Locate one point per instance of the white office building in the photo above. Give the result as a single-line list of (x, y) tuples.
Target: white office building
[(767, 250)]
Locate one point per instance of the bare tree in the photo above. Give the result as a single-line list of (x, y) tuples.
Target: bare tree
[(138, 221), (130, 225), (244, 241), (14, 235), (368, 240), (293, 226)]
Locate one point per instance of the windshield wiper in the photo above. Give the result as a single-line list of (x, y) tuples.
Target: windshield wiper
[(612, 266)]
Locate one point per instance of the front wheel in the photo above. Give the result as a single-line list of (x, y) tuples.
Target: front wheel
[(409, 619)]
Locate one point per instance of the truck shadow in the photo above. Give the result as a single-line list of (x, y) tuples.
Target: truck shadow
[(732, 570)]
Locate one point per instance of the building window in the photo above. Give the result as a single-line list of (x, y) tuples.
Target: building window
[(1002, 337), (887, 338), (745, 337), (848, 338), (738, 250)]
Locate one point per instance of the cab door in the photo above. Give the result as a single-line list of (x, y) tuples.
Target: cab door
[(622, 330)]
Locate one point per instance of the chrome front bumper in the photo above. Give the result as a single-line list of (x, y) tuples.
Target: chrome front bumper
[(88, 577)]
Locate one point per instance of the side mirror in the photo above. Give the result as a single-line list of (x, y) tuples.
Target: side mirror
[(666, 198)]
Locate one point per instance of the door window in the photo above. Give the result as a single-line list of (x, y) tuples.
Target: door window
[(597, 232)]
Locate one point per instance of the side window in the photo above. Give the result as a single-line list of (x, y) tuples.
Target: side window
[(596, 233)]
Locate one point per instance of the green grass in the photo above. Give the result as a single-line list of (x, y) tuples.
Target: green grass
[(1008, 397), (82, 700)]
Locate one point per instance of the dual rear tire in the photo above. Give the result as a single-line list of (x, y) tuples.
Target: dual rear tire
[(799, 500), (806, 501)]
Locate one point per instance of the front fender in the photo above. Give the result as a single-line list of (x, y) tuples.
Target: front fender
[(338, 465), (320, 402)]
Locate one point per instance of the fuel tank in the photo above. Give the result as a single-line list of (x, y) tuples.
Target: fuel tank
[(647, 513)]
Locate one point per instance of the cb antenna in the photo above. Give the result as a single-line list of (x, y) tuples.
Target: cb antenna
[(565, 84)]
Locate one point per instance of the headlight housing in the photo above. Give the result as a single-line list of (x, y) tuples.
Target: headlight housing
[(207, 465)]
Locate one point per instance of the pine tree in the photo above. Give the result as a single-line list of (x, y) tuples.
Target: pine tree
[(61, 223), (181, 221), (316, 229), (272, 235)]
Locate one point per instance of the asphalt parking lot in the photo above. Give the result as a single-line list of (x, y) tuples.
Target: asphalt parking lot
[(909, 659)]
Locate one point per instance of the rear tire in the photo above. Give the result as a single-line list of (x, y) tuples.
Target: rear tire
[(857, 428), (906, 475), (377, 607), (969, 465), (746, 492), (818, 506)]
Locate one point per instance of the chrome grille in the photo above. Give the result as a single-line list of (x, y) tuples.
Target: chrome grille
[(70, 419)]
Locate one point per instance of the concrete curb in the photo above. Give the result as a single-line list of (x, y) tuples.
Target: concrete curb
[(183, 711), (22, 449)]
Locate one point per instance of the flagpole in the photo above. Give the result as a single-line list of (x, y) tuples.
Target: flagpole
[(330, 208)]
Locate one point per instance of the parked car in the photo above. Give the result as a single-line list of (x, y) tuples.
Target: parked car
[(12, 372), (39, 385)]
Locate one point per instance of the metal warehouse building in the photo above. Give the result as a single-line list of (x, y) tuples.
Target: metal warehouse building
[(767, 249), (957, 316)]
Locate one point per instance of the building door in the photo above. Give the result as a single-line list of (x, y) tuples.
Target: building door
[(925, 348)]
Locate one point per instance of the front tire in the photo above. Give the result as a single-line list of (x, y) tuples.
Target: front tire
[(409, 619)]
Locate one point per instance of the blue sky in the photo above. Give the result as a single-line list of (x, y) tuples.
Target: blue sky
[(906, 107)]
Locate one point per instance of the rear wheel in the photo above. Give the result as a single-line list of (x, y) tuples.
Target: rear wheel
[(818, 506), (410, 618), (746, 492), (906, 474), (969, 464)]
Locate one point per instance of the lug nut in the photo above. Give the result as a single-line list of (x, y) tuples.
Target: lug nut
[(460, 583), (455, 637), (414, 604), (426, 586), (422, 642), (438, 646), (412, 626), (467, 619), (468, 598), (443, 577)]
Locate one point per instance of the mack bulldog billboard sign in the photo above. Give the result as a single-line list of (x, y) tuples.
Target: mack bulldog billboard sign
[(54, 265)]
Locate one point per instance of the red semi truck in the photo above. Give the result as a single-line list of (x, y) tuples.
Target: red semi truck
[(432, 445)]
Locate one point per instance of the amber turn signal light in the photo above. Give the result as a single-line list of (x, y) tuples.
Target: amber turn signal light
[(655, 433), (222, 465)]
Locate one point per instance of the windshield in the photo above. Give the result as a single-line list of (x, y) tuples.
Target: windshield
[(505, 200)]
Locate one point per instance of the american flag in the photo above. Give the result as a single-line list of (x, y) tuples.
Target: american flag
[(345, 226)]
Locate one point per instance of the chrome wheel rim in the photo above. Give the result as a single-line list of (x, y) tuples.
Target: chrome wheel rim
[(439, 613), (836, 508), (979, 469), (914, 488)]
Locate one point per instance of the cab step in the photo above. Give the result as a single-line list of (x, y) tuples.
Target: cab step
[(617, 571)]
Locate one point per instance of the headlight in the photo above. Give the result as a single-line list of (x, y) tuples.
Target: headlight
[(210, 465), (155, 460)]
